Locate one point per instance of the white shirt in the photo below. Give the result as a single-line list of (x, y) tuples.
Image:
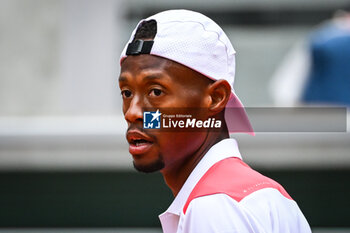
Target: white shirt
[(264, 210)]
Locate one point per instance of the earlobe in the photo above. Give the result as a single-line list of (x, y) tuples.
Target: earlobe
[(219, 92)]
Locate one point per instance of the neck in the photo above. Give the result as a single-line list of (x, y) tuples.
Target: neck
[(175, 177)]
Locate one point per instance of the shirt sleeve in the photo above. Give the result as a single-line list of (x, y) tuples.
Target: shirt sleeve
[(264, 211)]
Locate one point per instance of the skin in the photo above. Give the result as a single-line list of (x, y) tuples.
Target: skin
[(148, 81)]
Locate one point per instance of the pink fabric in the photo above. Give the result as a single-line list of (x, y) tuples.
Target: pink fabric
[(233, 177), (236, 117)]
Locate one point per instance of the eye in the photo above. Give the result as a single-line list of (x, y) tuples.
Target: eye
[(156, 92), (126, 93)]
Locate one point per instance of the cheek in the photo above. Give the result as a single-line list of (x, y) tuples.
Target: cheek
[(125, 108), (126, 105), (191, 98), (177, 146)]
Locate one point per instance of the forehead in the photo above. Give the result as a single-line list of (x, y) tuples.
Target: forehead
[(145, 64)]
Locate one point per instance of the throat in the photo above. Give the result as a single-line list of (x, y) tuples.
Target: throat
[(175, 176)]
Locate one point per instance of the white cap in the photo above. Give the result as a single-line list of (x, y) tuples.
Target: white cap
[(196, 41)]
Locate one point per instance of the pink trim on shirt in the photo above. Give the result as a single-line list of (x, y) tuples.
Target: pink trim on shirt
[(233, 177)]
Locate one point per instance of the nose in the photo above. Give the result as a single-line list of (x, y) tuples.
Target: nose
[(134, 111)]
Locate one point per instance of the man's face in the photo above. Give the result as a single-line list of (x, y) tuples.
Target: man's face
[(148, 81)]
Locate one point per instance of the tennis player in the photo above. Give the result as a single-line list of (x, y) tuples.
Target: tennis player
[(180, 59)]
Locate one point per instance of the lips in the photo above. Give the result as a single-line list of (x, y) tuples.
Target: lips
[(139, 143)]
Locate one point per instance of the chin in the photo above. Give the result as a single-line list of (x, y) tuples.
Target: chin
[(155, 166)]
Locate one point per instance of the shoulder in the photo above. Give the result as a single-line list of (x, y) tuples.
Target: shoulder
[(265, 210), (231, 195), (215, 213), (234, 178)]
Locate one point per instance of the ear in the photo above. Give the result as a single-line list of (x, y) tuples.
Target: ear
[(219, 93)]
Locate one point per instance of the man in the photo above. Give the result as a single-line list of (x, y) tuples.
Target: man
[(180, 60), (328, 81), (316, 70)]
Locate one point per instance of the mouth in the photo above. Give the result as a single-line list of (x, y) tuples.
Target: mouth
[(139, 143)]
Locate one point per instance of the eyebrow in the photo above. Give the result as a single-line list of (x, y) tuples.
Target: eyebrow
[(149, 77)]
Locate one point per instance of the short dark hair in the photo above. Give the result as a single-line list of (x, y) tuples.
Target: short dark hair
[(146, 30)]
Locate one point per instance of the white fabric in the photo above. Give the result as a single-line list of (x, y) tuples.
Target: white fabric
[(266, 210), (187, 37)]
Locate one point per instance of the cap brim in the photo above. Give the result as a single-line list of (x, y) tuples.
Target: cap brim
[(236, 118)]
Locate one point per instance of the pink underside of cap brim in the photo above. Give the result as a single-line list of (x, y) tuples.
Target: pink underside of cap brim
[(236, 117)]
